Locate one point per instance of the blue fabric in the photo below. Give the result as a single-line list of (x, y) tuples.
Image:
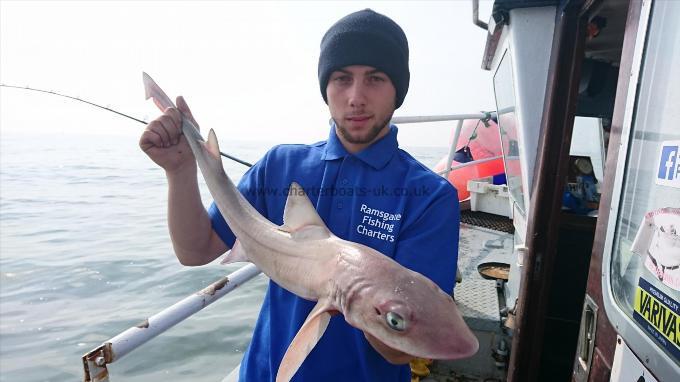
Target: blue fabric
[(381, 197)]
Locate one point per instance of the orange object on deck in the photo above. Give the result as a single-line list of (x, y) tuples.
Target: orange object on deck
[(483, 142)]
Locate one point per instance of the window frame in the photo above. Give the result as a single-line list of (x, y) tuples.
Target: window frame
[(648, 350)]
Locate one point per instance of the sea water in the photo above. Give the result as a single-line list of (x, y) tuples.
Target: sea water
[(85, 254)]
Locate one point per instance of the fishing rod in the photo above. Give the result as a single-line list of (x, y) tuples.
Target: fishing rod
[(111, 110)]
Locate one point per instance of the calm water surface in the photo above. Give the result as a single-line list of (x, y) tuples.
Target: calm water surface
[(85, 254)]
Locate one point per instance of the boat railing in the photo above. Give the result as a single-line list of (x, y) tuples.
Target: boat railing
[(456, 134), (95, 362), (471, 163)]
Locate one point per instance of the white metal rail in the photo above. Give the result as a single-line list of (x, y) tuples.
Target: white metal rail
[(95, 361), (456, 133)]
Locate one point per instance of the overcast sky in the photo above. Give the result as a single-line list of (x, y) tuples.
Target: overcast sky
[(248, 70)]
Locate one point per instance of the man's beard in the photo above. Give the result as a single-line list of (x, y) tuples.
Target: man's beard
[(372, 133)]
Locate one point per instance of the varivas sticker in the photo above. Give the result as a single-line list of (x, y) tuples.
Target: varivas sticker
[(659, 315)]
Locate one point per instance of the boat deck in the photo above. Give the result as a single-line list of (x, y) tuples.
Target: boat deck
[(484, 238)]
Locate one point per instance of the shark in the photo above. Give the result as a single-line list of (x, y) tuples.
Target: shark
[(375, 294)]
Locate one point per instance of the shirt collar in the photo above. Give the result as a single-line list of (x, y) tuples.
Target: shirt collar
[(334, 148), (376, 155)]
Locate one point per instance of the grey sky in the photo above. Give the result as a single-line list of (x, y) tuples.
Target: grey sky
[(248, 70)]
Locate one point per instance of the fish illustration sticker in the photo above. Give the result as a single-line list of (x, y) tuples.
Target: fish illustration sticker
[(658, 241)]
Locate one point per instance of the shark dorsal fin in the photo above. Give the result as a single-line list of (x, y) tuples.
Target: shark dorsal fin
[(300, 216), (212, 146)]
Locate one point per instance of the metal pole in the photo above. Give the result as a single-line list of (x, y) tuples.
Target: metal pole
[(452, 149), (120, 345), (440, 118), (475, 16), (474, 162)]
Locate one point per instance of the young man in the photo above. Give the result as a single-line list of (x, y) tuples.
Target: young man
[(364, 187)]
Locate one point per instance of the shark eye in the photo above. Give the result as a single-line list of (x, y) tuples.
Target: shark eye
[(395, 321)]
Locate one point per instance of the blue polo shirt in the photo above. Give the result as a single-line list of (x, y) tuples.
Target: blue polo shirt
[(381, 197)]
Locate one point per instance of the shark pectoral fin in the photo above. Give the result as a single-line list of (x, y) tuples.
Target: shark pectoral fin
[(299, 211), (237, 254), (303, 343)]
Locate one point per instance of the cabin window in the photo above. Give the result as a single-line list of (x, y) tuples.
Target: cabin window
[(645, 265), (504, 89)]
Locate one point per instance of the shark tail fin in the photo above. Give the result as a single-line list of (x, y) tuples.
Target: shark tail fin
[(152, 90), (236, 255), (306, 338)]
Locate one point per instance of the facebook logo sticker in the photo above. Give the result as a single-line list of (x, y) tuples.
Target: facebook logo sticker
[(668, 173)]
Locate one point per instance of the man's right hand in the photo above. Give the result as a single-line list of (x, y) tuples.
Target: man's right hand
[(194, 240), (164, 143)]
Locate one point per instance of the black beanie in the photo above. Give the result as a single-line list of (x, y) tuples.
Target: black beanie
[(366, 38)]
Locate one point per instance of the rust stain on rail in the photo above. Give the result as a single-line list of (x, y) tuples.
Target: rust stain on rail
[(214, 287), (91, 366)]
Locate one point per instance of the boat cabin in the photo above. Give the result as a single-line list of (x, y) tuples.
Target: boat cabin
[(587, 96)]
